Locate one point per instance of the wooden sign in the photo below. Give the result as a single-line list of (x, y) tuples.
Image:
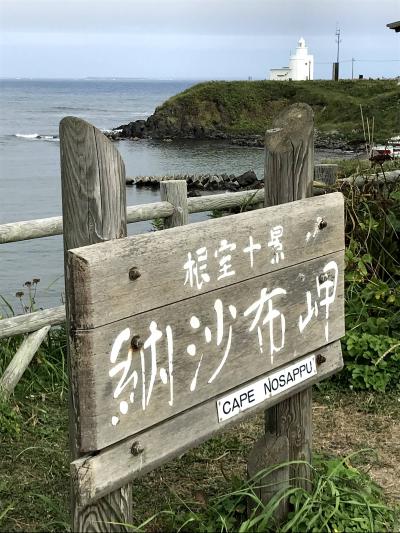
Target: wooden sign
[(219, 317)]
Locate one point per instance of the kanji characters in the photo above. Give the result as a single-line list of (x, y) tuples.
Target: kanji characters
[(325, 283), (122, 368), (328, 285), (272, 314), (220, 330), (196, 269), (151, 342), (225, 267), (276, 244), (131, 376), (251, 248), (312, 309), (208, 342)]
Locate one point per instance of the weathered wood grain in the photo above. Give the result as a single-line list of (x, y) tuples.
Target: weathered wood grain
[(100, 195), (175, 192), (20, 324), (21, 360), (104, 291), (225, 200), (105, 514), (288, 176), (94, 210), (326, 173), (98, 474), (293, 419), (30, 229), (140, 213), (273, 451), (289, 156), (99, 400)]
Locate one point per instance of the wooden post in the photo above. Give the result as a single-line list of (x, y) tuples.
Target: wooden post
[(326, 173), (94, 210), (288, 176), (175, 192)]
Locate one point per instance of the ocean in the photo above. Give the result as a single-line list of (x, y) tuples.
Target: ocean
[(30, 169)]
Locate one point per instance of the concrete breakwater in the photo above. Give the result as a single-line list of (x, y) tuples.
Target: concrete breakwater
[(204, 182)]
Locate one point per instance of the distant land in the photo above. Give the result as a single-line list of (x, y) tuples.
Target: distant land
[(243, 110)]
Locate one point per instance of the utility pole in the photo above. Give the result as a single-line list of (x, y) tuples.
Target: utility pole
[(338, 40), (352, 68), (335, 71)]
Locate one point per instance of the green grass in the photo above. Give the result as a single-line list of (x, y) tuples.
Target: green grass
[(243, 108), (202, 490), (343, 498)]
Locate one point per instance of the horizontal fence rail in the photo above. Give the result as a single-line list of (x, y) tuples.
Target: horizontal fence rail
[(48, 227), (20, 324)]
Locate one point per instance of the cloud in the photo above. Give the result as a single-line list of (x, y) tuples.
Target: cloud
[(216, 17), (194, 38)]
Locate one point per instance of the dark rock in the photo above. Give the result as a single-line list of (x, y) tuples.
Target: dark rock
[(193, 194), (247, 179), (137, 129)]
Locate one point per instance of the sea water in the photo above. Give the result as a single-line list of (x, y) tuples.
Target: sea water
[(30, 186)]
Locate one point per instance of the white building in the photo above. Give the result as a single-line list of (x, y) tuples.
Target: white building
[(301, 65)]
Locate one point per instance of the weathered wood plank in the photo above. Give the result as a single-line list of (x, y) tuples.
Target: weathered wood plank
[(20, 324), (135, 456), (21, 360), (125, 386), (94, 210), (288, 176), (310, 229)]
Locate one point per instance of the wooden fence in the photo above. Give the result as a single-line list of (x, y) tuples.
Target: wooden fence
[(91, 164), (37, 324)]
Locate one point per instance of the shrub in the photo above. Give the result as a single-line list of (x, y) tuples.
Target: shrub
[(371, 345)]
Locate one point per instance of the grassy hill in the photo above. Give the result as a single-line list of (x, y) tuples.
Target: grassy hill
[(248, 107)]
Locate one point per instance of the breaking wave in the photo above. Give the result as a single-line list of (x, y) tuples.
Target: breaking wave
[(37, 136)]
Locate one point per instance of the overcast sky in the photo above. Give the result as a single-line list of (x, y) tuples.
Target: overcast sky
[(193, 39)]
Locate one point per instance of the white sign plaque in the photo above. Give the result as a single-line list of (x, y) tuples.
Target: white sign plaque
[(266, 387)]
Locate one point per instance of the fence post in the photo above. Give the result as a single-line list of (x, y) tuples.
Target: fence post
[(288, 176), (175, 192), (326, 173), (94, 210)]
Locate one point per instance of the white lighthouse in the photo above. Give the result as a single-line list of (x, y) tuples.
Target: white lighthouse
[(301, 65)]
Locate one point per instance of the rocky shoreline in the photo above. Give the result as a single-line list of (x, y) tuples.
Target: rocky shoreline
[(144, 129), (204, 182)]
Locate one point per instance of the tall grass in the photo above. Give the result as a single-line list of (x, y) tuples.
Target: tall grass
[(343, 498)]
